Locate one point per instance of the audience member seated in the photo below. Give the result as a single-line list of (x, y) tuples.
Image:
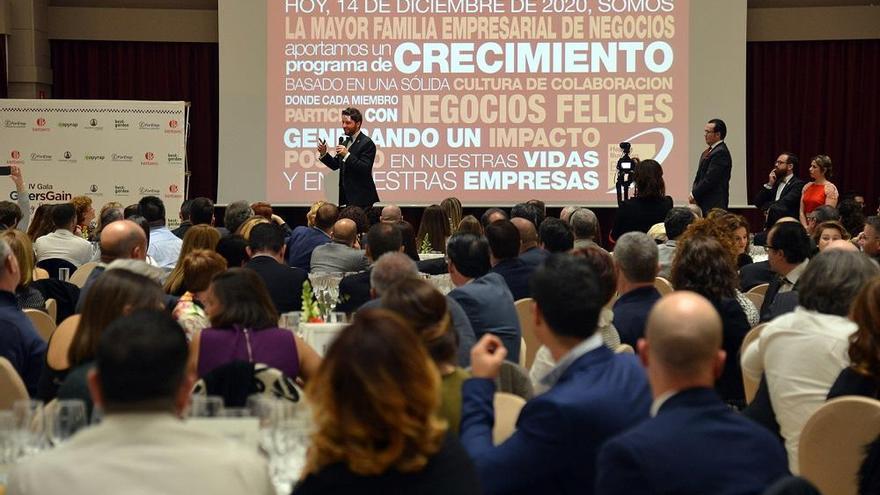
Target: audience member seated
[(197, 237), (424, 308), (593, 393), (852, 216), (17, 215), (264, 210), (820, 191), (528, 211), (828, 232), (145, 226), (357, 215), (585, 227), (529, 251), (392, 214), (244, 327), (164, 246), (233, 248), (63, 243), (245, 229), (199, 267), (493, 215), (556, 236), (343, 253), (452, 209), (781, 195), (869, 240), (305, 239), (503, 239), (602, 265), (738, 227), (635, 260), (484, 296), (717, 451), (42, 223), (354, 289), (392, 268), (123, 239), (649, 205), (862, 376), (802, 353), (184, 215), (821, 214), (236, 215), (72, 348), (141, 384), (469, 225), (759, 273), (675, 223), (704, 265), (110, 212), (25, 294), (19, 341), (787, 249), (266, 251), (434, 230), (566, 211), (85, 214), (374, 403)]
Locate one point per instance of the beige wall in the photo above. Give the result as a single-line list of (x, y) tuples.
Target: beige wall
[(814, 23), (5, 15), (93, 23)]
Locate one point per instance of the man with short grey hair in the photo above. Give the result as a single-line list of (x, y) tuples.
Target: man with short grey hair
[(585, 226), (391, 214), (565, 214), (236, 214), (635, 260), (392, 267)]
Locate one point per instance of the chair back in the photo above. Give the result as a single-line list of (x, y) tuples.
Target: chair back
[(82, 273), (624, 349), (759, 289), (52, 308), (832, 443), (59, 345), (52, 265), (663, 286), (523, 352), (750, 386), (756, 298), (43, 323), (507, 408), (525, 311), (11, 386)]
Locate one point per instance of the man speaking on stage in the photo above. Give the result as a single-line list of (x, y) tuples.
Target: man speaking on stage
[(354, 160)]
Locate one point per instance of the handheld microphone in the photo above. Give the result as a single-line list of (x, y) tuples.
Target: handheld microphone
[(341, 140)]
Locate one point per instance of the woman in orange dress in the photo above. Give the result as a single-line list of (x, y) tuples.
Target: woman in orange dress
[(820, 191)]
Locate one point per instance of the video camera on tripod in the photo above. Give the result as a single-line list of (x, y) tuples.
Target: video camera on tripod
[(625, 173)]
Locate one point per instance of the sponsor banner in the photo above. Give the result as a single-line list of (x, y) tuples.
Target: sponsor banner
[(108, 150)]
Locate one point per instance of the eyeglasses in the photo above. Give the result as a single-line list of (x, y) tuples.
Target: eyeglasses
[(768, 248), (810, 217)]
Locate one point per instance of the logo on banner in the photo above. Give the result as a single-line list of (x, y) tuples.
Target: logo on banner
[(172, 124), (68, 157), (173, 188), (121, 124), (173, 127), (68, 125), (94, 158), (121, 157), (148, 126), (121, 190), (41, 125), (173, 192), (149, 159), (14, 124), (148, 191), (40, 157), (93, 188), (15, 154), (174, 158), (93, 125)]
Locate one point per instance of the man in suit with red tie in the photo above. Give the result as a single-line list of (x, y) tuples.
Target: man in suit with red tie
[(712, 183), (354, 160)]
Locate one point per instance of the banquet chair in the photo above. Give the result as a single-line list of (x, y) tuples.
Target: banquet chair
[(507, 408), (624, 349), (750, 387), (756, 298), (663, 286), (759, 289), (11, 386), (42, 321), (79, 277), (832, 443), (52, 308), (525, 310)]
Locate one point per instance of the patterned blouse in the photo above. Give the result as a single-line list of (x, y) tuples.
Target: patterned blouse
[(190, 315)]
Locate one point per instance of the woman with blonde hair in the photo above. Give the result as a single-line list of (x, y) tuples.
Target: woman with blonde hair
[(313, 212), (196, 237), (25, 294), (452, 208), (248, 225), (435, 227), (374, 402)]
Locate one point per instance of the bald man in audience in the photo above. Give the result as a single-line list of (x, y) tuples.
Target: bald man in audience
[(342, 253), (120, 240), (391, 214), (529, 252), (694, 444)]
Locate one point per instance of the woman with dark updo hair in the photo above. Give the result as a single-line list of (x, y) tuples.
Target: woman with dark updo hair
[(650, 204)]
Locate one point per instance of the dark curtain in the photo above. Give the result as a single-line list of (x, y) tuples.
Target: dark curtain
[(4, 83), (815, 97), (126, 70)]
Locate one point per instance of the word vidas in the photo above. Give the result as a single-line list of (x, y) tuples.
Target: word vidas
[(531, 58)]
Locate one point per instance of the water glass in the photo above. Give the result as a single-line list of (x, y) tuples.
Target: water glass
[(64, 420), (201, 406), (30, 428), (64, 274)]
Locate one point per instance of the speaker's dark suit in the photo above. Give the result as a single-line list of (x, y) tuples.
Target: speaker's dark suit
[(695, 445), (284, 282), (356, 186), (789, 202), (712, 182)]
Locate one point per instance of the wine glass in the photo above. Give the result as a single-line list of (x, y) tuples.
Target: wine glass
[(202, 406), (30, 427), (64, 419)]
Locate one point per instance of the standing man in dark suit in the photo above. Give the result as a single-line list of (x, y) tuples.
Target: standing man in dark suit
[(695, 443), (593, 393), (266, 249), (712, 183), (354, 160), (781, 195)]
